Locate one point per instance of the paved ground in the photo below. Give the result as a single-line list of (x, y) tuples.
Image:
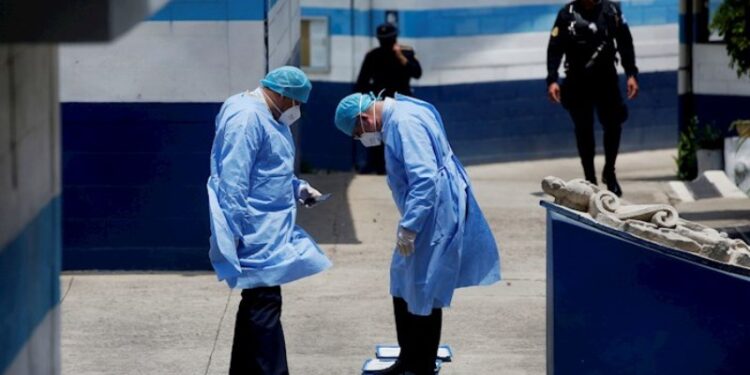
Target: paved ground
[(181, 323)]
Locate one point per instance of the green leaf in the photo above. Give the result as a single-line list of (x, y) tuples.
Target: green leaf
[(731, 24)]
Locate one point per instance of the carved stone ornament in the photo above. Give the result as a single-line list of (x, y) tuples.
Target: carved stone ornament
[(659, 223)]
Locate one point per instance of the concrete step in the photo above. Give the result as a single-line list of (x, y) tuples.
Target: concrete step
[(710, 185)]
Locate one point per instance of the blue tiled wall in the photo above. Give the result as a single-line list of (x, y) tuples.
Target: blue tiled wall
[(134, 179), (322, 146), (720, 111), (499, 121), (134, 174)]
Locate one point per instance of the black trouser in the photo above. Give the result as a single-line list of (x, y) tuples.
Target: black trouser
[(583, 93), (418, 337), (259, 347)]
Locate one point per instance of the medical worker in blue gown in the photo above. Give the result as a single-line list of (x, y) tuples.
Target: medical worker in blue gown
[(443, 240), (252, 193)]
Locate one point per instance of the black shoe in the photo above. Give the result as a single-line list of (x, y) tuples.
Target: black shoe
[(409, 372), (610, 179), (590, 176), (431, 370)]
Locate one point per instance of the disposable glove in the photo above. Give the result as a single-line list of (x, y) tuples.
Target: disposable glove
[(308, 194), (405, 241)]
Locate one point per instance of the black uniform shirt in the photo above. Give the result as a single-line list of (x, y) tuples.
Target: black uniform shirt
[(589, 40), (382, 70)]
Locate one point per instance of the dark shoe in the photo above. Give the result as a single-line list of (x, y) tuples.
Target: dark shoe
[(431, 370), (590, 176), (610, 180), (409, 372)]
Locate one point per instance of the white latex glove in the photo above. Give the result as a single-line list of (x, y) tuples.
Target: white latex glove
[(405, 241), (307, 194)]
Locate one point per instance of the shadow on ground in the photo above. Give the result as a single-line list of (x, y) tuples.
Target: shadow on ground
[(331, 221), (716, 215), (661, 178)]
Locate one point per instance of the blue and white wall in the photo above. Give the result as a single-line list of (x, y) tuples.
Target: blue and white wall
[(709, 88), (484, 66), (138, 113), (30, 210), (138, 122), (719, 96)]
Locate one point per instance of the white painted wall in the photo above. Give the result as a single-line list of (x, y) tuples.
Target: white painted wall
[(503, 57), (183, 61), (29, 171), (283, 32), (347, 54), (712, 74), (29, 119)]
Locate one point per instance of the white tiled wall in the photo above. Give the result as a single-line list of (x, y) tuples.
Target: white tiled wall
[(185, 61), (712, 74)]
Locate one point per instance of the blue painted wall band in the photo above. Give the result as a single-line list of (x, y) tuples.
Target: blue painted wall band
[(203, 10), (134, 174), (429, 23), (29, 280), (719, 111), (519, 123), (464, 22)]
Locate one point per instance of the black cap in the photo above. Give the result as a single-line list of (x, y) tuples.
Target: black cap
[(387, 30)]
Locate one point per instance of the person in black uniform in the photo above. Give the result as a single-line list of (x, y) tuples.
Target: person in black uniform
[(387, 68), (590, 33)]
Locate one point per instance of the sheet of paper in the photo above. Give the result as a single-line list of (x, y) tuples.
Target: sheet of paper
[(377, 364), (444, 353)]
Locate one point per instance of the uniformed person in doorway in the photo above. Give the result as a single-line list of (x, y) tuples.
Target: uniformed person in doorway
[(388, 68), (589, 33)]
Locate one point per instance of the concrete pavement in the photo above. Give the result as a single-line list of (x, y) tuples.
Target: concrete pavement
[(181, 323)]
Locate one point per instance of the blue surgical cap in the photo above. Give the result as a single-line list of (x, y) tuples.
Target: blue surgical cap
[(288, 81), (349, 109)]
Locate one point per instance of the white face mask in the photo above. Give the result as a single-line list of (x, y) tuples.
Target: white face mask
[(290, 116), (369, 139)]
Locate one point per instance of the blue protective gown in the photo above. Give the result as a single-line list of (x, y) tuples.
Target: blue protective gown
[(252, 196), (454, 247)]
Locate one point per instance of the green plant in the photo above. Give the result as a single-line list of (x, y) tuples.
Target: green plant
[(686, 160), (708, 137), (732, 22)]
